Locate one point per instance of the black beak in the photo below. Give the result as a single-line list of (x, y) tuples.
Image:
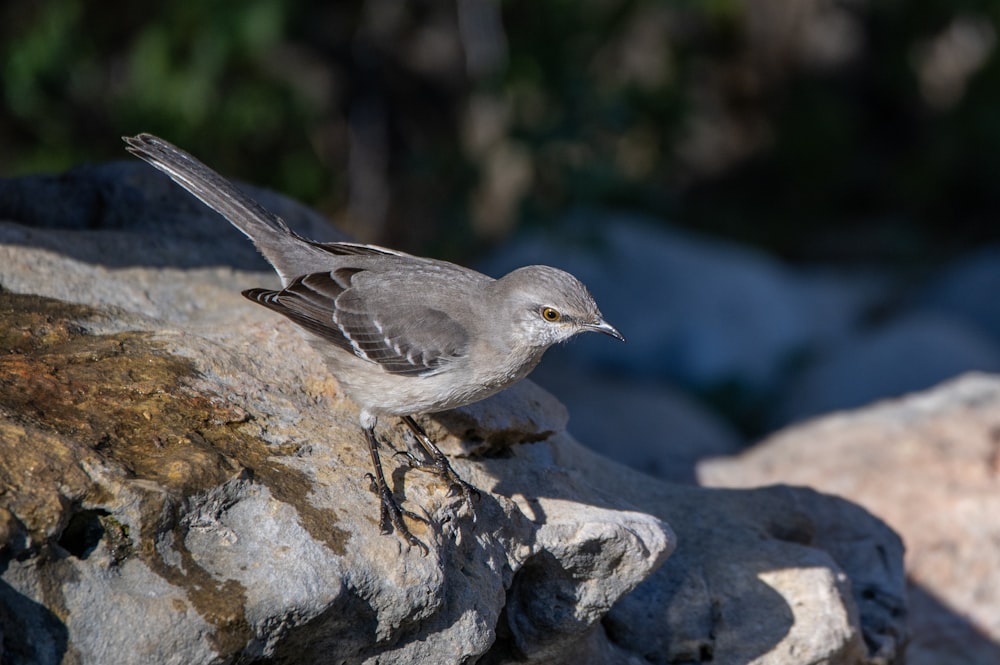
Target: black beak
[(603, 326)]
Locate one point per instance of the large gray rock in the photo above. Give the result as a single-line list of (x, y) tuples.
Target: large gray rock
[(646, 425), (170, 502), (181, 482), (910, 353), (967, 289), (929, 465), (129, 218)]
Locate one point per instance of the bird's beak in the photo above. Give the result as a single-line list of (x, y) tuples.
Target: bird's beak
[(603, 326)]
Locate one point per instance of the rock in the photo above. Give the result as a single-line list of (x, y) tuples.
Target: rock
[(151, 476), (772, 575), (643, 424), (130, 217), (928, 465), (967, 289), (181, 482), (907, 354), (696, 311)]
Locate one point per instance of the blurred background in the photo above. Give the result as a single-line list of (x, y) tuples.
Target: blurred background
[(788, 206), (817, 129)]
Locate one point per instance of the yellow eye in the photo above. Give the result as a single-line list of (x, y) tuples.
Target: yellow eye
[(550, 314)]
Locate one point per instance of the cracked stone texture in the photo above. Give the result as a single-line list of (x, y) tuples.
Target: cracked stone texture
[(929, 464), (181, 482)]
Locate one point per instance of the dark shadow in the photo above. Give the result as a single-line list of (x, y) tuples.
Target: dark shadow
[(940, 634), (677, 614), (83, 532), (346, 628), (30, 634)]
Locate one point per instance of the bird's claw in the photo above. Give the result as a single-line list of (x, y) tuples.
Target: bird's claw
[(391, 516), (410, 458)]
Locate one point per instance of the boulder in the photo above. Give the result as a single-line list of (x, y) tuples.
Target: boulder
[(646, 425), (966, 289), (911, 352), (929, 465)]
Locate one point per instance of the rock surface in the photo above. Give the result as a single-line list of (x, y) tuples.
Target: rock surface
[(655, 429), (966, 289), (913, 352), (929, 465), (180, 482)]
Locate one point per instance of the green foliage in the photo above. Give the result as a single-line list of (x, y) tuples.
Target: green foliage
[(701, 113), (78, 75)]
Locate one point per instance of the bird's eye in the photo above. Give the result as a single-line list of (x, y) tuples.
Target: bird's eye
[(550, 314)]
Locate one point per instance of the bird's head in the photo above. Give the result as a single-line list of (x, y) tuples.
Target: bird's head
[(550, 305)]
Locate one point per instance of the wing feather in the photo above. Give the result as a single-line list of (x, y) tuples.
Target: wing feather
[(367, 319)]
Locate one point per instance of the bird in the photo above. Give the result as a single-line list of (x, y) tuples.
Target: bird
[(404, 335)]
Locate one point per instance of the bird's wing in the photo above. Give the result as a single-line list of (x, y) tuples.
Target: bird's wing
[(368, 318)]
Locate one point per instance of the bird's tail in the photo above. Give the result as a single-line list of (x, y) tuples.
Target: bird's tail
[(283, 248)]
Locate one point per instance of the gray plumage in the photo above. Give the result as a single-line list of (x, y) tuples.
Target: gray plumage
[(403, 334)]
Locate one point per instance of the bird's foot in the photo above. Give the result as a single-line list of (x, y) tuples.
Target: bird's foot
[(391, 515), (440, 466)]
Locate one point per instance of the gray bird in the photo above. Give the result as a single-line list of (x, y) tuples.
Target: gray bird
[(404, 335)]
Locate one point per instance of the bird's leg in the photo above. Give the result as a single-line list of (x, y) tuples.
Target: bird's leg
[(439, 463), (390, 510)]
